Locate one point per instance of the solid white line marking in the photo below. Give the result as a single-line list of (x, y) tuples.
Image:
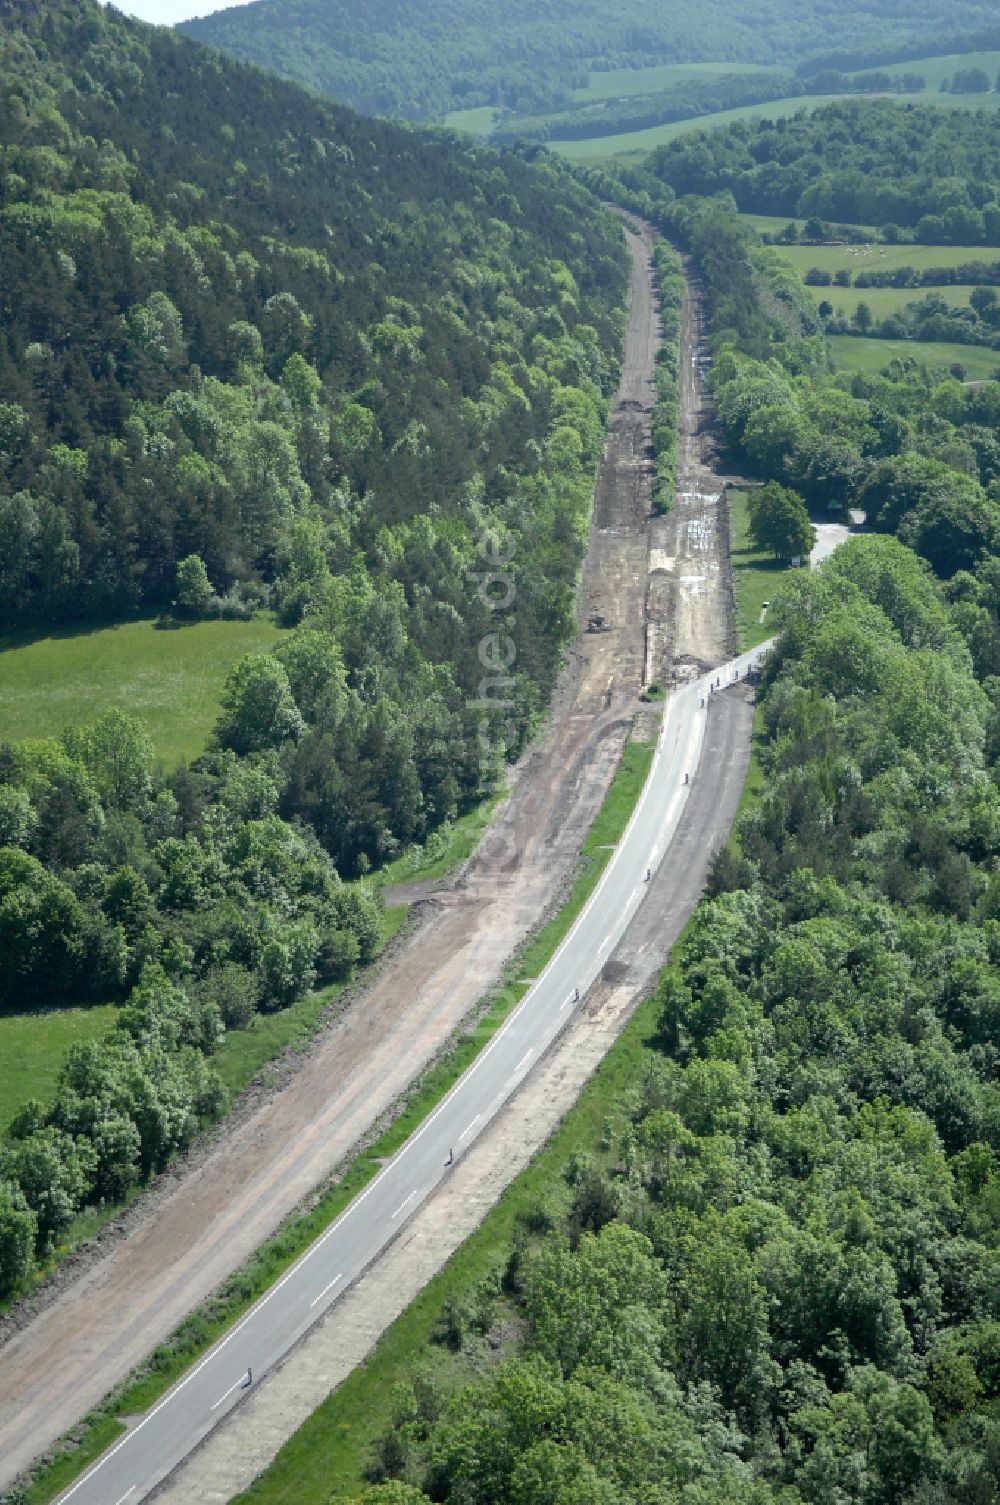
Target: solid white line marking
[(410, 1198), (229, 1392), (325, 1289), (469, 1127)]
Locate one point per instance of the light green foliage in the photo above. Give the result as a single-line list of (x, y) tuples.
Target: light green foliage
[(258, 709), (194, 589), (779, 522)]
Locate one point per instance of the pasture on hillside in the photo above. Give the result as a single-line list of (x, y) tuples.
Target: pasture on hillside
[(935, 69), (884, 301), (879, 258), (169, 678), (630, 83), (34, 1047), (855, 353), (593, 149)]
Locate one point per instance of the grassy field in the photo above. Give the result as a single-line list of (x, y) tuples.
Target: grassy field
[(852, 353), (756, 576), (632, 143), (33, 1048), (628, 83), (170, 679), (881, 258), (889, 300), (934, 69), (597, 147), (478, 122), (772, 224)]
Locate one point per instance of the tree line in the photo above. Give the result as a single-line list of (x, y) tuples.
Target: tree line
[(916, 171)]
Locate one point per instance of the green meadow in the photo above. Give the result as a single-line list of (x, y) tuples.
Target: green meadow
[(756, 576), (854, 353), (477, 122), (629, 83), (935, 69), (596, 147), (884, 301), (853, 259), (169, 678), (34, 1047), (773, 224)]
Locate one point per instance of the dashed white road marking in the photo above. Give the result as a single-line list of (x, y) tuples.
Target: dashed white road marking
[(228, 1393), (410, 1198), (323, 1292), (469, 1127)]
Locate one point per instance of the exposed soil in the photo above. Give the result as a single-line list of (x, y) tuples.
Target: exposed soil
[(85, 1330), (243, 1446), (694, 599)]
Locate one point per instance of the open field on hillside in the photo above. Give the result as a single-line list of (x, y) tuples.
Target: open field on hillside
[(853, 353), (627, 83), (596, 148), (478, 122), (882, 258), (934, 69), (170, 679), (889, 300), (773, 224), (33, 1048), (756, 576)]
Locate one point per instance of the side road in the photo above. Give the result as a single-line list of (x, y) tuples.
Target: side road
[(91, 1328)]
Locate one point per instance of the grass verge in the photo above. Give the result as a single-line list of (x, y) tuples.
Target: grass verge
[(205, 1325), (756, 577), (451, 844)]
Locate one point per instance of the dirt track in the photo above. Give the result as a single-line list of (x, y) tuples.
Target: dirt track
[(692, 597), (103, 1316)]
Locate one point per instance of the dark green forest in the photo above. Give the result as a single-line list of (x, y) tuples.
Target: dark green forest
[(259, 351), (392, 57), (930, 173)]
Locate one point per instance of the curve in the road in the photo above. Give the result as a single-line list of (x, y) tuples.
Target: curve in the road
[(129, 1470)]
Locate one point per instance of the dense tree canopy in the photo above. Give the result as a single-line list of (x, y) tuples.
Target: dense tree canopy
[(860, 162), (775, 1280)]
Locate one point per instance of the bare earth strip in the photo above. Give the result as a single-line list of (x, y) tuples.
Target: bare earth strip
[(88, 1329), (694, 621), (239, 1450)]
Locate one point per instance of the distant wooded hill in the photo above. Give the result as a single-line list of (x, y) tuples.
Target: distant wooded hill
[(420, 61)]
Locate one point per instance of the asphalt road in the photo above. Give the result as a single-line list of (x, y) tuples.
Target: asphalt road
[(133, 1467)]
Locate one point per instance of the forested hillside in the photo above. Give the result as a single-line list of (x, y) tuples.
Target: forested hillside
[(393, 57), (930, 173), (259, 350)]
